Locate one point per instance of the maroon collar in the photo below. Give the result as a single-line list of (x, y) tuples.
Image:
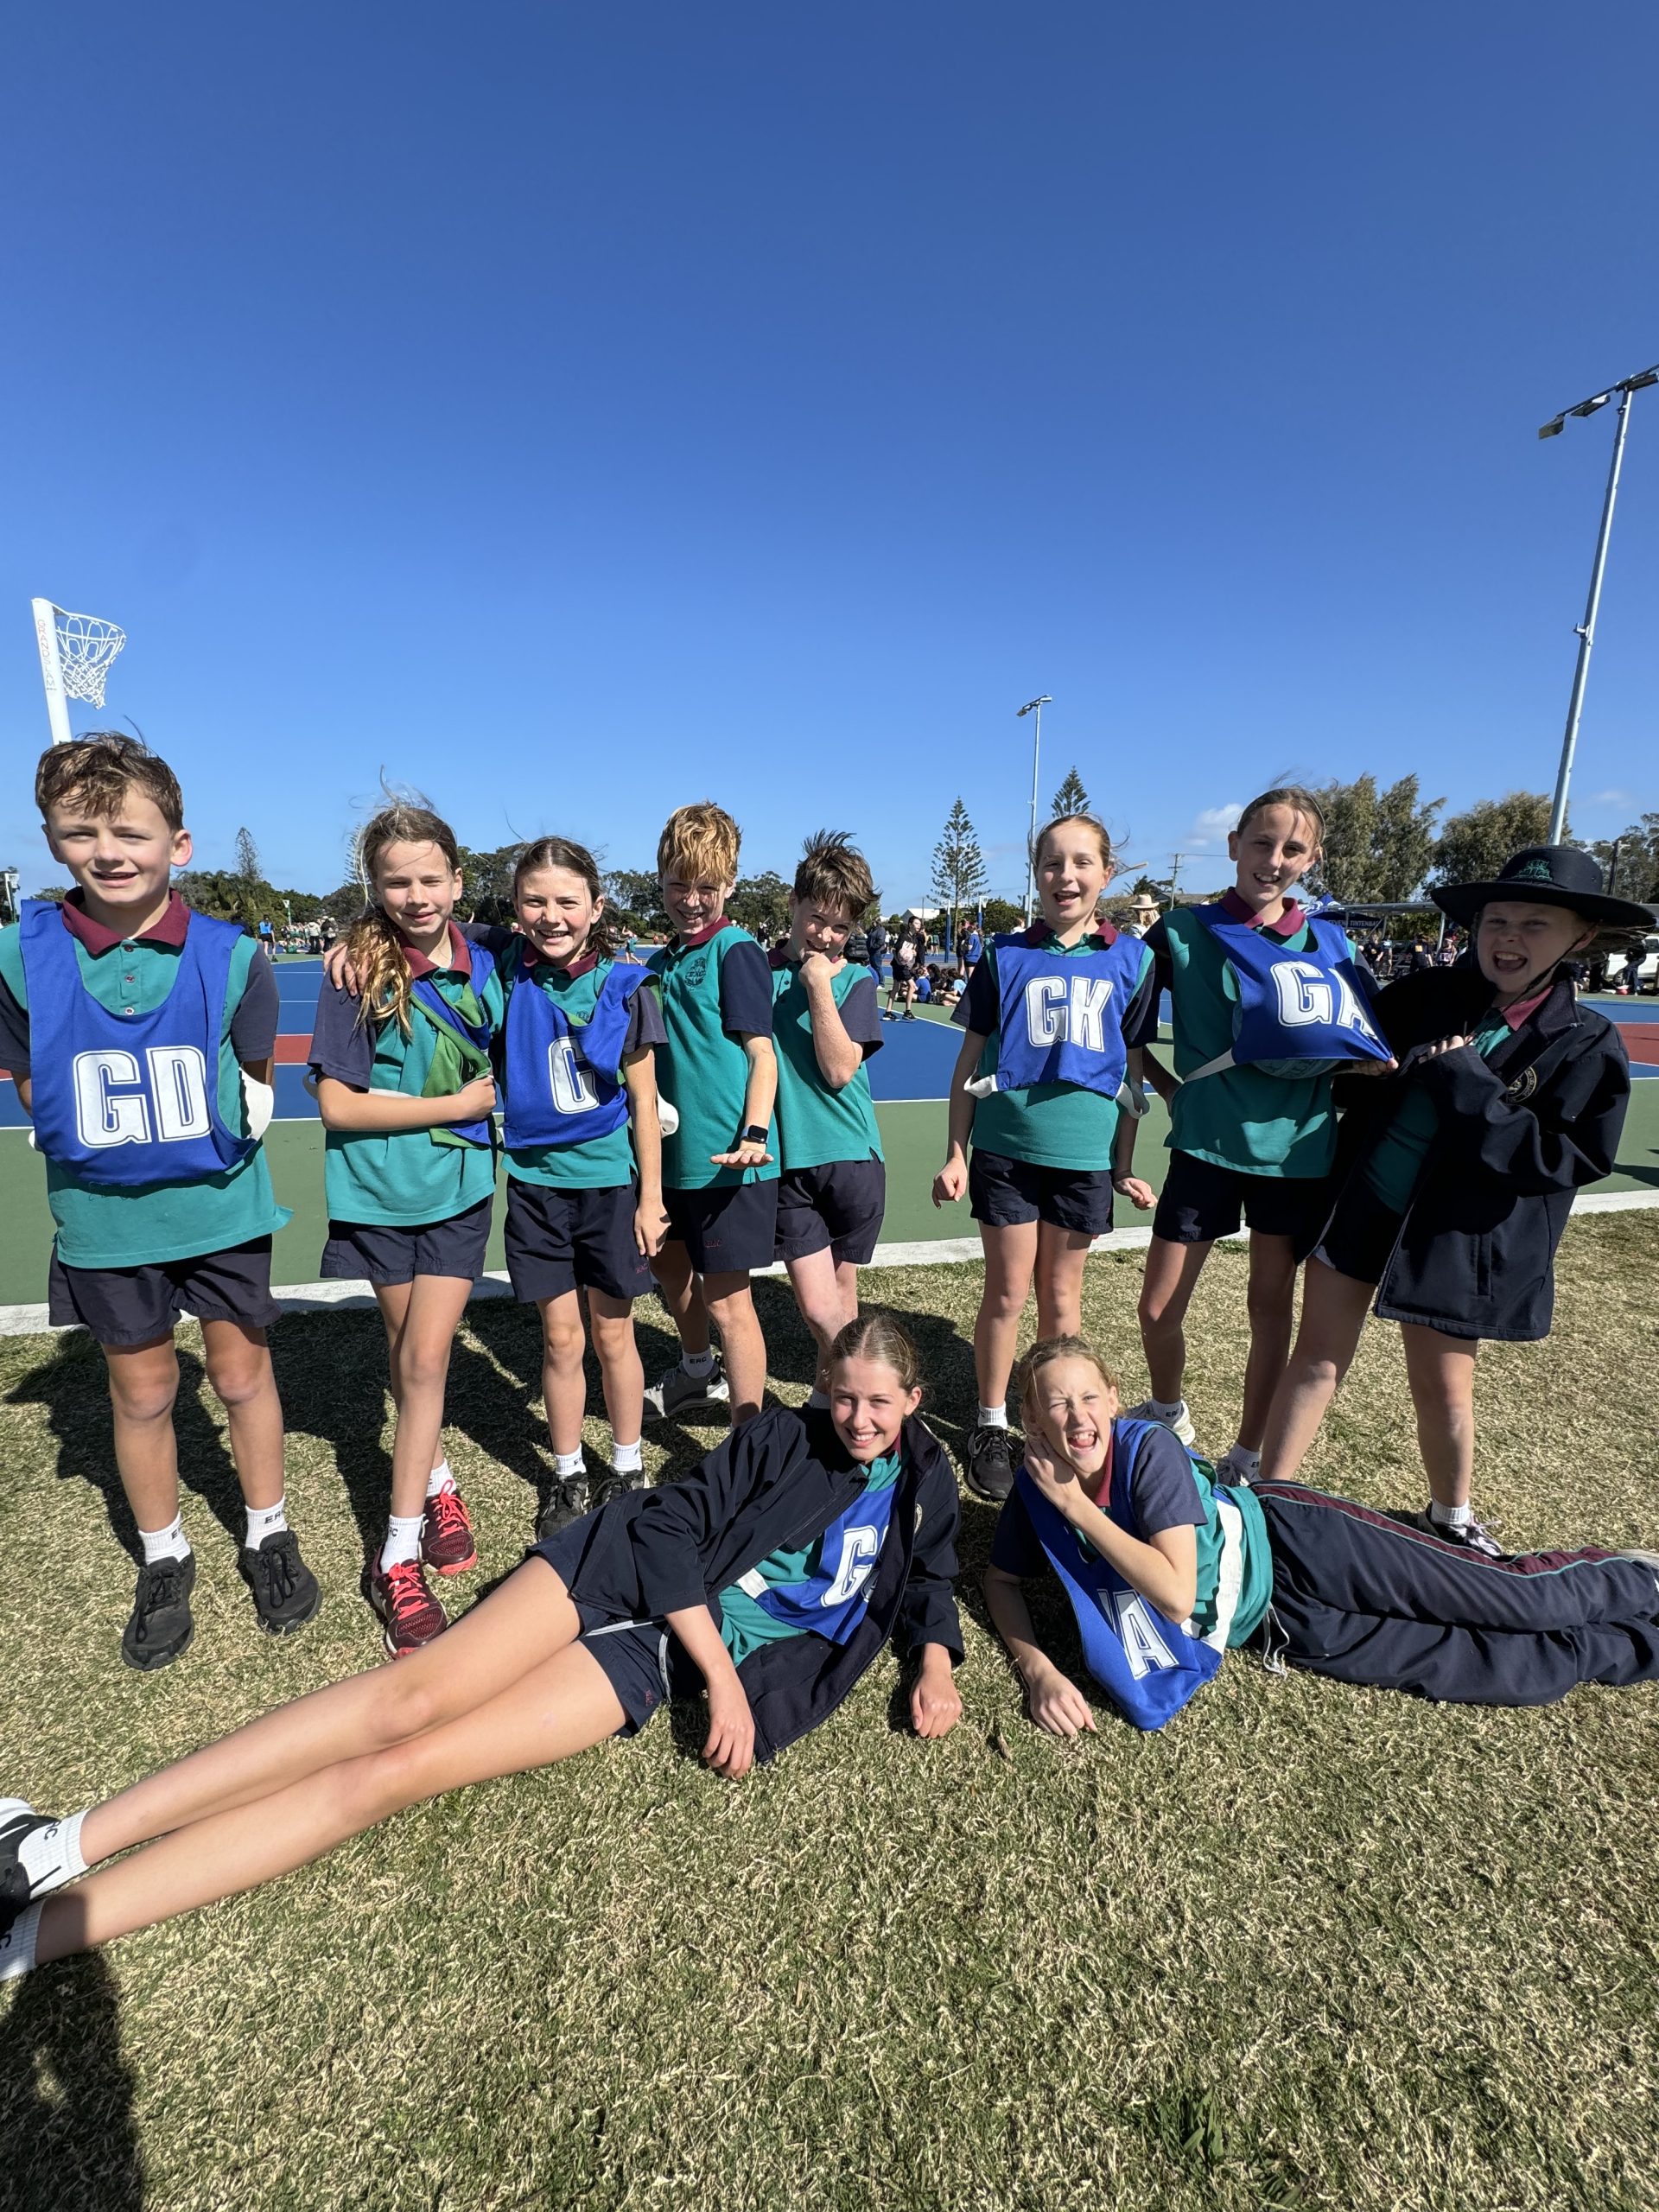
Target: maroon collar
[(581, 966), (1039, 934), (689, 944), (1288, 924), (460, 960), (174, 921)]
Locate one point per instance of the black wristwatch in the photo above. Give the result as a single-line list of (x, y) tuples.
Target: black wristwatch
[(753, 1135)]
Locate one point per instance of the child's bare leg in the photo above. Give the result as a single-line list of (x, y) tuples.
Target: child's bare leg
[(1167, 1288), (1270, 1300), (238, 1367), (1334, 1307), (565, 1386), (1061, 1254), (393, 1299), (1441, 1372), (731, 1307), (524, 1621), (620, 1372), (561, 1705), (1010, 1258), (677, 1280), (827, 1293), (421, 1365), (144, 1384)]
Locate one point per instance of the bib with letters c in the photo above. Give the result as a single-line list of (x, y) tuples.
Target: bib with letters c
[(564, 1078)]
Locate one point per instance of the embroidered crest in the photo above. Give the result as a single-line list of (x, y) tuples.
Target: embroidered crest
[(695, 970), (1534, 872), (1523, 1086)]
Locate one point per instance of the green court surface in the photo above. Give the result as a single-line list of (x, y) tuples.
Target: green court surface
[(913, 1136)]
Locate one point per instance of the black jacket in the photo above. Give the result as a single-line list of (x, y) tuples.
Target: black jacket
[(1518, 1135), (777, 1483)]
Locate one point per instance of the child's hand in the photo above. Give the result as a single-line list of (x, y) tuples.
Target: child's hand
[(1056, 1478), (815, 967), (950, 1182), (474, 1101), (1138, 1192), (747, 1151), (1389, 1066), (650, 1227), (730, 1747), (337, 967), (935, 1706), (1057, 1705)]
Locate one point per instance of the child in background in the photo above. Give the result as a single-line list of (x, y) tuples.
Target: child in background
[(1456, 1178), (1049, 1016), (773, 1575), (130, 1024), (584, 1153), (1244, 1141), (404, 1083), (826, 1022), (716, 1068)]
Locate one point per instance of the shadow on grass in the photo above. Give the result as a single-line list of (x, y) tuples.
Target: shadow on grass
[(67, 2132)]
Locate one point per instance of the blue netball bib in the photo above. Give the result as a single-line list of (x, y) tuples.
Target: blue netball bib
[(835, 1597), (1060, 1015), (1147, 1666), (564, 1078), (128, 1099), (1296, 1013)]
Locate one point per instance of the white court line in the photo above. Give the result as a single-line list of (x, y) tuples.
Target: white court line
[(927, 1252)]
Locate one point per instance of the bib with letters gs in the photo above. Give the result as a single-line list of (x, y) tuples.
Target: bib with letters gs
[(836, 1596), (1060, 1015), (128, 1099), (1147, 1666), (1297, 1013), (564, 1078)]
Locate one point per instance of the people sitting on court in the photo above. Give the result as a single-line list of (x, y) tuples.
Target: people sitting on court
[(770, 1577), (141, 1036), (1165, 1568)]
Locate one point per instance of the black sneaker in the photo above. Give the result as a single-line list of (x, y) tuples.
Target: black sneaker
[(285, 1591), (18, 1821), (569, 1501), (160, 1627), (987, 1463)]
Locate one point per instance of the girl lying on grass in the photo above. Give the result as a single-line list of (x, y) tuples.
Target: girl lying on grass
[(770, 1576), (1166, 1569)]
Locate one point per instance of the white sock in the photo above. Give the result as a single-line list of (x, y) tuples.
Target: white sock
[(700, 1365), (819, 1401), (566, 1464), (1243, 1457), (628, 1459), (403, 1540), (52, 1856), (994, 1416), (17, 1944), (1450, 1516), (165, 1543), (265, 1520), (440, 1479), (1168, 1413)]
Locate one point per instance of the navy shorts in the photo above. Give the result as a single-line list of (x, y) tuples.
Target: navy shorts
[(1005, 1193), (1360, 1236), (563, 1240), (835, 1208), (124, 1306), (728, 1228), (643, 1661), (1201, 1201), (388, 1254)]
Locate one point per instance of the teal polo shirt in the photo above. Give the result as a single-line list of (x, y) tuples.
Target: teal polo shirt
[(816, 1124)]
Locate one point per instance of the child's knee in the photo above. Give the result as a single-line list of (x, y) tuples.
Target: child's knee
[(241, 1378), (147, 1393), (562, 1339)]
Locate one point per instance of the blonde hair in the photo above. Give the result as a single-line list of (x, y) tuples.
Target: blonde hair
[(1046, 1351), (878, 1336), (100, 769), (576, 860), (1297, 798), (703, 840), (376, 945), (1060, 821)]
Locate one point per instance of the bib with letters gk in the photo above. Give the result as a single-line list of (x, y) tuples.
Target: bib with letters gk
[(564, 1078), (836, 1596), (1060, 1015), (128, 1099), (1147, 1666), (1296, 1013)]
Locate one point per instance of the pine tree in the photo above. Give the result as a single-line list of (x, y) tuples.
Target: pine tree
[(1071, 798), (959, 876), (247, 857)]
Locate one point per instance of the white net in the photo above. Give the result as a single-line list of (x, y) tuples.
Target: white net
[(85, 649)]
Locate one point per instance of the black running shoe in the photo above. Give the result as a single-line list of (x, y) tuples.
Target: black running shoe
[(987, 1463), (18, 1821), (160, 1627), (570, 1500), (285, 1591)]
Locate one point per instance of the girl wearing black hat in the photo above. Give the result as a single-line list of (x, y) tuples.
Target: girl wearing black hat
[(1455, 1177)]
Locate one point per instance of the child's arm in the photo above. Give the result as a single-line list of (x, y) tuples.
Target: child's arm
[(1124, 1179), (650, 1221), (729, 1747), (839, 1059), (344, 1106), (927, 1623), (1054, 1700), (951, 1180), (1165, 1570), (759, 1099)]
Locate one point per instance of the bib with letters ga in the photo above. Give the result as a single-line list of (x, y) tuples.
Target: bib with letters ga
[(1295, 1014), (124, 1100)]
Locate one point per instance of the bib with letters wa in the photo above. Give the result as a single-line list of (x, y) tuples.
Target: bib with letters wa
[(1060, 1015), (1295, 1013), (1146, 1665), (128, 1099), (564, 1078)]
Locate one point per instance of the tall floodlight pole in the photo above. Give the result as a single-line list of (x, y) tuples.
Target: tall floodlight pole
[(1032, 707), (1587, 629)]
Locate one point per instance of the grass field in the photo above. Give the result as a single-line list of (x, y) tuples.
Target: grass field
[(1310, 1947)]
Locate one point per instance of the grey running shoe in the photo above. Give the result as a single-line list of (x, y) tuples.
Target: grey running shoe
[(678, 1393)]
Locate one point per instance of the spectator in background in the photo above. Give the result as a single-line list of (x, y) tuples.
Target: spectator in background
[(328, 929), (1419, 960), (1143, 912), (266, 937), (878, 948), (908, 954), (972, 949)]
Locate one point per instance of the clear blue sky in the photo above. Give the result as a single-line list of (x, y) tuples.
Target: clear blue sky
[(579, 411)]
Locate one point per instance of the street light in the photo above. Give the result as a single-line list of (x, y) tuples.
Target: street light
[(1032, 707), (1587, 629)]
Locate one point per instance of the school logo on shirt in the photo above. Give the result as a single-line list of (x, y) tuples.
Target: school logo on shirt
[(1067, 1009), (169, 1104), (1522, 1087), (695, 970)]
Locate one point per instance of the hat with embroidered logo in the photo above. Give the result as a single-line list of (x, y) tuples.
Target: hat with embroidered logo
[(1546, 875)]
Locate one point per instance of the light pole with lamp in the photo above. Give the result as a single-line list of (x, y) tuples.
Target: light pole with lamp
[(1032, 707), (1587, 629)]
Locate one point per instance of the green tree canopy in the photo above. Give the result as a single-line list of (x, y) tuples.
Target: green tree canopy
[(760, 902), (1377, 843), (1473, 846), (1071, 798), (636, 899), (1633, 856), (247, 856), (959, 878)]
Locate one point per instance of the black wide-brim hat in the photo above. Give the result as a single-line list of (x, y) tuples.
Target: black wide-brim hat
[(1548, 875)]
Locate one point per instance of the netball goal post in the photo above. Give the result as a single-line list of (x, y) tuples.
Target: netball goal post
[(76, 653)]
